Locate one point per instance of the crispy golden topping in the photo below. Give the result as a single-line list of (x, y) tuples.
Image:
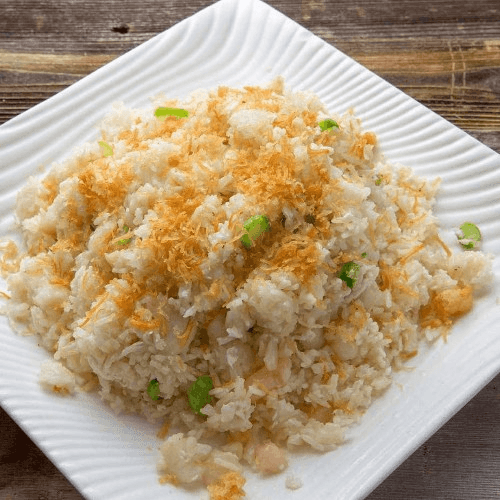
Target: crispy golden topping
[(298, 255), (104, 186), (228, 487)]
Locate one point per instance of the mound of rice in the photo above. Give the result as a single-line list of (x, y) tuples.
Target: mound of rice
[(133, 270)]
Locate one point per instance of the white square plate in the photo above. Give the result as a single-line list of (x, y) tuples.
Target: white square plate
[(238, 43)]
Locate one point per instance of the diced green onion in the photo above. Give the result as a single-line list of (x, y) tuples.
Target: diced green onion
[(328, 124), (154, 389), (349, 273), (254, 227), (106, 149), (198, 395), (125, 240), (470, 237), (162, 113), (363, 255), (378, 181)]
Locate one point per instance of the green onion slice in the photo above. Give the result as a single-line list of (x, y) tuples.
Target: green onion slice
[(328, 124), (198, 395), (106, 149), (154, 389), (363, 255), (470, 237), (162, 113), (349, 273), (254, 227), (125, 240)]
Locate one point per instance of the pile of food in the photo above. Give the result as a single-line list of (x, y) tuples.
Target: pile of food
[(243, 266)]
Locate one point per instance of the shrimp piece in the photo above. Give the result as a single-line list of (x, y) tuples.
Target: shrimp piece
[(270, 459), (445, 306), (453, 302)]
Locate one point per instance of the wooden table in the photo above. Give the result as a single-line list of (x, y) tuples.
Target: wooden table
[(444, 53)]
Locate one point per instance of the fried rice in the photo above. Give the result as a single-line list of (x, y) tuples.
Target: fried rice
[(132, 270)]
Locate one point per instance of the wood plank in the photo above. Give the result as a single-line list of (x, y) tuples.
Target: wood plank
[(53, 64), (428, 63), (87, 26)]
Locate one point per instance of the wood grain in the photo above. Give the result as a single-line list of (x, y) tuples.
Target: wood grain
[(60, 64), (443, 53)]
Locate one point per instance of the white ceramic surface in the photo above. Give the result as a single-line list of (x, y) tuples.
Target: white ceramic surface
[(236, 43)]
